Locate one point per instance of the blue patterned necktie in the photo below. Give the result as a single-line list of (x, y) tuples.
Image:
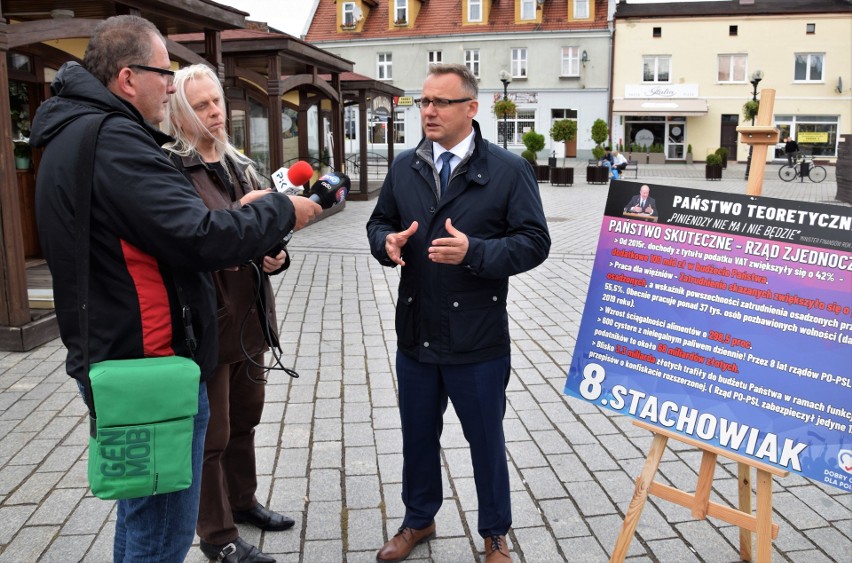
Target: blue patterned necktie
[(445, 170)]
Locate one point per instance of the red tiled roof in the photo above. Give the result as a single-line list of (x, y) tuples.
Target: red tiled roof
[(444, 17)]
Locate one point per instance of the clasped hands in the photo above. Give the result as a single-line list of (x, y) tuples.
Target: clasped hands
[(636, 209), (449, 250)]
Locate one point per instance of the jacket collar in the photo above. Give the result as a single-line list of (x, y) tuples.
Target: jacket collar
[(474, 167)]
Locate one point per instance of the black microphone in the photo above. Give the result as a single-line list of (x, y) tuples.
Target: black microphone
[(330, 189)]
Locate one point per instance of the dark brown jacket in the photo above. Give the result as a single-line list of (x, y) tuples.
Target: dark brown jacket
[(241, 324)]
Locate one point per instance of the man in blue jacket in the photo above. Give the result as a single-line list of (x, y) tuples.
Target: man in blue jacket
[(153, 243), (460, 215)]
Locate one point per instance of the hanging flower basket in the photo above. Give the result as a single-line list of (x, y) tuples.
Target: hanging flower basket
[(750, 109), (505, 108)]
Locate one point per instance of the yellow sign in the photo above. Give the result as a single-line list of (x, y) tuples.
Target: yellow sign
[(405, 101), (812, 137)]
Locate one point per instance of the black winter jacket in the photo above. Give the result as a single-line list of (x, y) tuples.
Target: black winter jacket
[(457, 314), (150, 231)]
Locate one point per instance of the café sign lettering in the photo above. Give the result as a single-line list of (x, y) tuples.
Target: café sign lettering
[(661, 91)]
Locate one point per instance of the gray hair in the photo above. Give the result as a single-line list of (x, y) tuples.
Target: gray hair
[(469, 83), (117, 42), (181, 121)]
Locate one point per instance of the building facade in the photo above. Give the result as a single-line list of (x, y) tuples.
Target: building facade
[(553, 54), (683, 72)]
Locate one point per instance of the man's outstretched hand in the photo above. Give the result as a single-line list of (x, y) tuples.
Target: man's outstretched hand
[(395, 241)]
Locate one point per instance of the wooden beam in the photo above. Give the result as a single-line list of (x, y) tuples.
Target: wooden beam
[(14, 305)]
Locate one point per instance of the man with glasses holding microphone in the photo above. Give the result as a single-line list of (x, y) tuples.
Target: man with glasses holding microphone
[(459, 215), (152, 244)]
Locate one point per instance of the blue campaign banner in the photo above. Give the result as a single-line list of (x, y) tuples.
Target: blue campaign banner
[(726, 318)]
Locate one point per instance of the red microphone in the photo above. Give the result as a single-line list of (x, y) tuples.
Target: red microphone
[(290, 181)]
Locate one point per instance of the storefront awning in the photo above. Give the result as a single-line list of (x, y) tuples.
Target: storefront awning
[(692, 106)]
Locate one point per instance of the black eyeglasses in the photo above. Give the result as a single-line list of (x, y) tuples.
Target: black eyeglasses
[(439, 103), (170, 74)]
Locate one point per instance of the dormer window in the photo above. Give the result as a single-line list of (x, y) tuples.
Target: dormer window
[(400, 12), (349, 14), (528, 9), (474, 10)]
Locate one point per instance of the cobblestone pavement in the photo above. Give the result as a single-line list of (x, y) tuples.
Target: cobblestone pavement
[(329, 443)]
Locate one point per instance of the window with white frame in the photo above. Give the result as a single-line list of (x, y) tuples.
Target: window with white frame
[(581, 9), (656, 68), (808, 67), (471, 61), (349, 14), (732, 68), (384, 66), (400, 11), (528, 9), (436, 57), (399, 127), (570, 61), (474, 10), (515, 127), (519, 62)]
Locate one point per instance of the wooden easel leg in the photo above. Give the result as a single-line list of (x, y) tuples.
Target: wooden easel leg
[(640, 495), (764, 516), (705, 482), (744, 475)]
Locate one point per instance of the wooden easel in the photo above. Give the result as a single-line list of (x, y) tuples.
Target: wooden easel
[(759, 136), (700, 502)]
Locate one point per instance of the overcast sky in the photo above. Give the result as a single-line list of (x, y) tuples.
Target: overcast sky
[(290, 16)]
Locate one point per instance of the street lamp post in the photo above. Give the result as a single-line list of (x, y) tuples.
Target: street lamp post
[(506, 79), (756, 77)]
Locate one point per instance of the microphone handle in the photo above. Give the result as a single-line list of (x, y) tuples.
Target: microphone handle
[(316, 199)]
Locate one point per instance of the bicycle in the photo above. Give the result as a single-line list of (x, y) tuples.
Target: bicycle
[(801, 169)]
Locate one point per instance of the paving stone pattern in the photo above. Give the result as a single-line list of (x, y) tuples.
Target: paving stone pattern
[(329, 443)]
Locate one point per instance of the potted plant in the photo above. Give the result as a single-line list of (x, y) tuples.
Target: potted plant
[(598, 174), (505, 108), (562, 131), (534, 142), (655, 155), (643, 153), (689, 154), (713, 167), (723, 154), (23, 154)]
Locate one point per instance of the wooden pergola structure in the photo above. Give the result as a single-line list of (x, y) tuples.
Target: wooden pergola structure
[(370, 96), (279, 67), (29, 29)]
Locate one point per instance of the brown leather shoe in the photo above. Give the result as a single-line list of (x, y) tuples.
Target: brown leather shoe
[(496, 550), (400, 546)]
